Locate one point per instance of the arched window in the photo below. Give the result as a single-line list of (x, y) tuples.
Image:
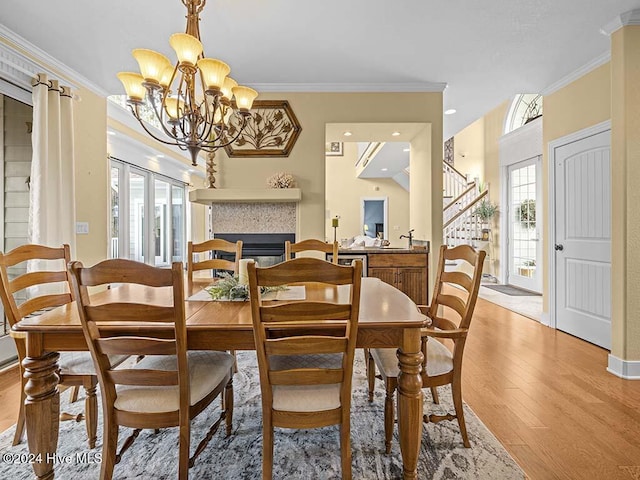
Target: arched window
[(524, 108)]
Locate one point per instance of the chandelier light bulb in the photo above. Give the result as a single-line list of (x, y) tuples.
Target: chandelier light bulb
[(152, 64), (213, 72), (174, 107), (132, 83), (227, 88), (244, 97), (187, 47)]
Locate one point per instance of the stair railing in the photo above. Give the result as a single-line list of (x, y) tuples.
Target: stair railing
[(453, 182), (460, 202), (464, 227)]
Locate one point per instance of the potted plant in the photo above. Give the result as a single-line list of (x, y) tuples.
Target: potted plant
[(485, 211)]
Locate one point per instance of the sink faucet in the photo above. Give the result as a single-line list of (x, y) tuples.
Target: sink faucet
[(410, 237)]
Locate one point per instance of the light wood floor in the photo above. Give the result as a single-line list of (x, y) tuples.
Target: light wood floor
[(544, 394)]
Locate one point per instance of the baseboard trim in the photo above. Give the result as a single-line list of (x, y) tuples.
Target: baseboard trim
[(544, 319), (627, 369)]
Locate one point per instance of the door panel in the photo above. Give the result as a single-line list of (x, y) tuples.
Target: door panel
[(583, 239)]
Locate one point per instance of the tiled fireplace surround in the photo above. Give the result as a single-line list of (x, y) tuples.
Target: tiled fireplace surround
[(262, 226)]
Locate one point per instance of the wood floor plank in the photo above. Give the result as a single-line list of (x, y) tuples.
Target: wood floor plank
[(564, 416)]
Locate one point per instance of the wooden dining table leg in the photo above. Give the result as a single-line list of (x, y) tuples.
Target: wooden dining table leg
[(410, 401), (42, 406)]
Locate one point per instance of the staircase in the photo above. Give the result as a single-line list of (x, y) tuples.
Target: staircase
[(461, 198)]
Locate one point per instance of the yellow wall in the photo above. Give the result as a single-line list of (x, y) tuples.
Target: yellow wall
[(92, 176), (479, 144), (581, 104), (625, 152), (493, 130), (469, 152), (307, 160), (344, 192)]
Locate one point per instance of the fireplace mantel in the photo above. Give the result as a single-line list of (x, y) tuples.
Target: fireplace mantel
[(207, 196)]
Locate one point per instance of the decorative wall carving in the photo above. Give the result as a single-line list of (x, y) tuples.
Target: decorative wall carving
[(271, 131), (448, 151)]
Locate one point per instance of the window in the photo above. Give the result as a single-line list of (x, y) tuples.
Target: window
[(148, 217), (16, 120), (524, 109)]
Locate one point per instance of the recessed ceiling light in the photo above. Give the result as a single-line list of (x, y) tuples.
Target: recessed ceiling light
[(347, 134), (384, 169), (160, 155), (395, 134), (406, 149), (191, 170), (451, 111), (111, 132)]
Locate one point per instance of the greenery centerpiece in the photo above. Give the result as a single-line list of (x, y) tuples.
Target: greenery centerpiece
[(228, 287)]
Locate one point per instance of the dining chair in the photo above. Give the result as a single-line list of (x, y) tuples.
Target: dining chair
[(170, 385), (311, 244), (305, 373), (211, 246), (442, 341), (28, 293)]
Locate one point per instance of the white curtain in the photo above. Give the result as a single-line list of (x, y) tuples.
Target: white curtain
[(52, 214)]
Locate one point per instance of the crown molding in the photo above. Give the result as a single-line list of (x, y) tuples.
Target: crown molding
[(350, 87), (576, 74), (25, 58), (631, 17)]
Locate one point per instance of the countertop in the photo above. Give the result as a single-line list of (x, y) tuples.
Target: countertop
[(374, 250)]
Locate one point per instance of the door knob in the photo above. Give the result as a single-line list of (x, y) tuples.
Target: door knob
[(559, 247)]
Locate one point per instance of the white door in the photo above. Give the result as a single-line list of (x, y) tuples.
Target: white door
[(583, 238), (525, 248)]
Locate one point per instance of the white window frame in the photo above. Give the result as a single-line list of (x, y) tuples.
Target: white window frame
[(124, 237)]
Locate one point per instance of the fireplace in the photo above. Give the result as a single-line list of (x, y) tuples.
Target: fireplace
[(265, 248)]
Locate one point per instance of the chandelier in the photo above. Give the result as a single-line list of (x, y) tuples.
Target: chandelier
[(194, 100)]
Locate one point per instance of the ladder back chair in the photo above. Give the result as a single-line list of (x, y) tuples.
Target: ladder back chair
[(441, 365), (311, 245), (305, 373), (52, 289), (169, 386), (213, 245)]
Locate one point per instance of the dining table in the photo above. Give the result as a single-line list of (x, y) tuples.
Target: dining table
[(387, 318)]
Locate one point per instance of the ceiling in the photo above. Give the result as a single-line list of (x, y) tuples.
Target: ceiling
[(485, 52)]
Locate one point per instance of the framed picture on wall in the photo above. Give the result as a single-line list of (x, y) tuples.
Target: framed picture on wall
[(333, 149)]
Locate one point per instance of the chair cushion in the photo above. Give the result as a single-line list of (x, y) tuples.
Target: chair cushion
[(439, 359), (206, 371), (81, 363), (76, 363), (306, 398)]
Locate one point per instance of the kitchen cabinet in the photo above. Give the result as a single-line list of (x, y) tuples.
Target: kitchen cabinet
[(408, 272)]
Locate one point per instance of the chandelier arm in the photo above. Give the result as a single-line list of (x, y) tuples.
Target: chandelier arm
[(160, 116), (210, 116), (185, 100), (152, 134)]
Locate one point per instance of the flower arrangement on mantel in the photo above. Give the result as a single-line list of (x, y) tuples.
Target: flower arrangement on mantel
[(281, 180), (228, 287)]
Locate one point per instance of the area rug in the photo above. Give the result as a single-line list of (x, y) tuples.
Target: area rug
[(511, 290), (298, 454)]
